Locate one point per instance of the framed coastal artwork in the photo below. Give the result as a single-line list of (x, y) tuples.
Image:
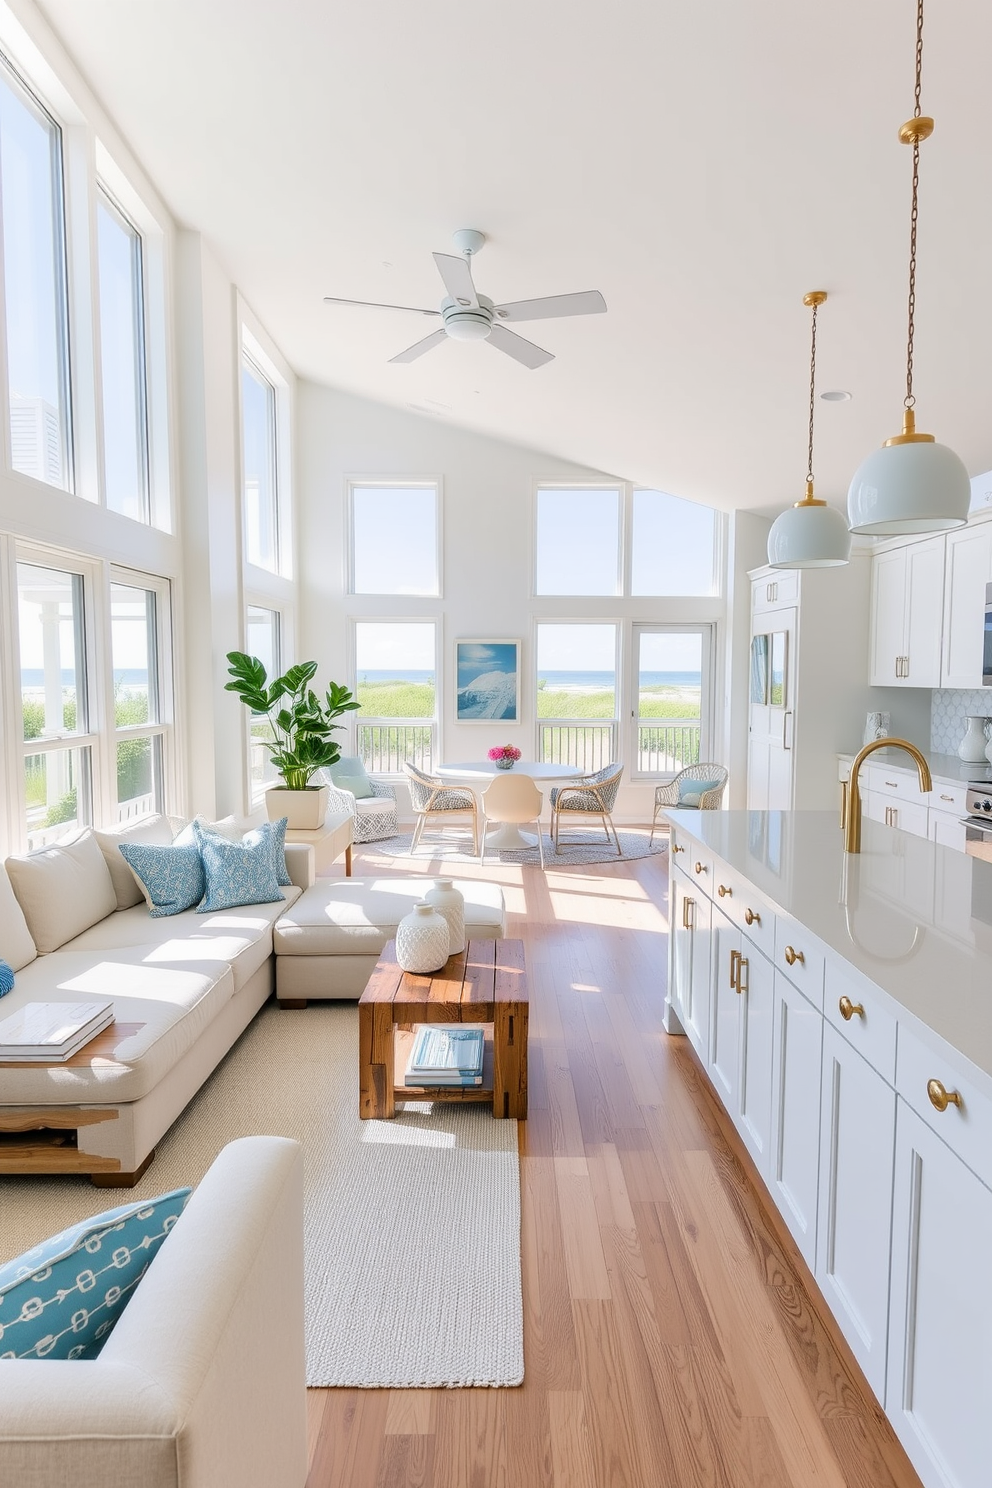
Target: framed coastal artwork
[(487, 681)]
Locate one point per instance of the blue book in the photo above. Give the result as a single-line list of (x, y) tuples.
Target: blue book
[(446, 1054)]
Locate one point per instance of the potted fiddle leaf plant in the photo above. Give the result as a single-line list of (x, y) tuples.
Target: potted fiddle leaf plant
[(302, 725)]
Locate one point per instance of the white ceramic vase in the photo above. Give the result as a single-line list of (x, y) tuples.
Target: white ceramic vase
[(422, 939), (972, 746), (449, 902)]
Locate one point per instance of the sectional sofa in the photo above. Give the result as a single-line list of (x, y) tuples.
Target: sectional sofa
[(74, 925)]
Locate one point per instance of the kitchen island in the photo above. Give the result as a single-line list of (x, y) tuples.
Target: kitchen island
[(841, 1007)]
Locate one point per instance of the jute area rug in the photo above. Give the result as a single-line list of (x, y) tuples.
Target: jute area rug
[(412, 1226), (576, 847)]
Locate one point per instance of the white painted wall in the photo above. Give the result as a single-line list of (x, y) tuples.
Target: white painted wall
[(488, 505)]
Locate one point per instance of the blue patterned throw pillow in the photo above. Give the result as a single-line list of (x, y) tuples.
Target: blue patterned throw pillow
[(171, 878), (277, 833), (237, 873), (61, 1299), (6, 979)]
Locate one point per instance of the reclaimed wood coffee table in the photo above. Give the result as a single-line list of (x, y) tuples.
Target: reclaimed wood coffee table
[(485, 983)]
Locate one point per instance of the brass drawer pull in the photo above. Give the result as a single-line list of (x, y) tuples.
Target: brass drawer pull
[(894, 784), (947, 798), (941, 1097), (849, 1009), (676, 849), (792, 956), (751, 917), (725, 892), (688, 913), (700, 867)]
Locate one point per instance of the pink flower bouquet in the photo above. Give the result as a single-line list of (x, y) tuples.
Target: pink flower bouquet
[(504, 756)]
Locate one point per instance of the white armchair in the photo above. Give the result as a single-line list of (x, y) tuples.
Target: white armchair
[(202, 1382), (696, 788), (374, 815)]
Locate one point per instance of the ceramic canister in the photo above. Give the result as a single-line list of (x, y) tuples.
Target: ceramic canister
[(448, 901), (422, 939)]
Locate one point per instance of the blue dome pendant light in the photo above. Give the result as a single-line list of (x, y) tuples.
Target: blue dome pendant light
[(810, 534), (911, 484)]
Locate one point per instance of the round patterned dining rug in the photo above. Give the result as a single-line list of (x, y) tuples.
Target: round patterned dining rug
[(576, 847)]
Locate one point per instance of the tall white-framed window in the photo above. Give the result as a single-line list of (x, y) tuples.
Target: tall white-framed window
[(396, 684), (122, 361), (57, 774), (141, 677), (674, 548), (578, 540), (260, 470), (264, 639), (672, 684), (576, 692), (34, 285), (394, 537)]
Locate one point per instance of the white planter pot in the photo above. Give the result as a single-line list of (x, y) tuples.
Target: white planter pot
[(422, 940), (305, 809), (449, 902)]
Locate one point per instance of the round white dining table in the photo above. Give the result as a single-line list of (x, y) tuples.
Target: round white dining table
[(478, 773)]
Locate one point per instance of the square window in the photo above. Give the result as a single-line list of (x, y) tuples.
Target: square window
[(578, 541), (394, 539), (673, 546)]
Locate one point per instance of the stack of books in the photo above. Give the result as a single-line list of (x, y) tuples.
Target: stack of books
[(51, 1032), (446, 1054)]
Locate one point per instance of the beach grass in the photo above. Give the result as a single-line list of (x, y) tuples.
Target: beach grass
[(396, 699)]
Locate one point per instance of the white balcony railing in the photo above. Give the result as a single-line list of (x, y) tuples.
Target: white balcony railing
[(385, 746), (664, 748), (588, 746)]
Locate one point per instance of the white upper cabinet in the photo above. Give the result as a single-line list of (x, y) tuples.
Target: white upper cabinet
[(968, 569), (907, 595)]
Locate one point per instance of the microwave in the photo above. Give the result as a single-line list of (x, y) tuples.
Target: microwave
[(987, 651)]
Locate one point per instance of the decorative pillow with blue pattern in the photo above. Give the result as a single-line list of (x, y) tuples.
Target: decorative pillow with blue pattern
[(238, 873), (171, 878), (61, 1299), (692, 791), (6, 979), (229, 830)]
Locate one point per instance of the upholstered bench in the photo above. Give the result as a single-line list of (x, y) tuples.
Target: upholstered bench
[(327, 944)]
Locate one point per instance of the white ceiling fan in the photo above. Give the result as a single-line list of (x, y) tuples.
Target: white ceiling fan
[(470, 316)]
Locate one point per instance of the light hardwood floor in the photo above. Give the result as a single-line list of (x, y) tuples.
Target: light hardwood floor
[(672, 1334)]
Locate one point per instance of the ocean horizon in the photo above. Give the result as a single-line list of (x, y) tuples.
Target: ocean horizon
[(551, 678)]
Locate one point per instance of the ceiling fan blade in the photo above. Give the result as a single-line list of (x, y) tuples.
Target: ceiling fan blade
[(374, 305), (419, 347), (587, 302), (457, 278), (515, 346)]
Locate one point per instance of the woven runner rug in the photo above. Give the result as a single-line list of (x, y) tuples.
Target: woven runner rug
[(412, 1226)]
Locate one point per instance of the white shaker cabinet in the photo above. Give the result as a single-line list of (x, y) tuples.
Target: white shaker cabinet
[(967, 570), (690, 975), (725, 1030), (857, 1134), (907, 595), (795, 1116), (940, 1366), (757, 1005)]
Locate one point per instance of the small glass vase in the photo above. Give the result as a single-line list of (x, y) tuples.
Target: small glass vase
[(505, 764)]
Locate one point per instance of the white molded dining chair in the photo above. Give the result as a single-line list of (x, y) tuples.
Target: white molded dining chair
[(512, 798)]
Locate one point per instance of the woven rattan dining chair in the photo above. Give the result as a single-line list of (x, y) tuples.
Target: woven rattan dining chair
[(680, 793), (512, 798), (431, 797), (593, 795)]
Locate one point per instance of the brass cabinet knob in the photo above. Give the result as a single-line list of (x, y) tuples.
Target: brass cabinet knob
[(751, 917), (941, 1097), (700, 867), (849, 1009), (725, 892), (677, 849), (792, 956)]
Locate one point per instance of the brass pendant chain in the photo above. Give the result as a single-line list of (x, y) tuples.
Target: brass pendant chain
[(916, 135), (812, 385)]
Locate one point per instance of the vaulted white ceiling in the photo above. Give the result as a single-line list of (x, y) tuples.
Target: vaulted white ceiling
[(703, 164)]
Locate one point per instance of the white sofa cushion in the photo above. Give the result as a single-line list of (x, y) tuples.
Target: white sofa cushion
[(356, 916), (16, 946), (174, 1003), (154, 830), (240, 938), (63, 889)]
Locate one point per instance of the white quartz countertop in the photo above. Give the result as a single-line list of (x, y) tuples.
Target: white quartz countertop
[(911, 916), (945, 767)]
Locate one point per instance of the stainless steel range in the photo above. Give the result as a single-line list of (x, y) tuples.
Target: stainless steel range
[(978, 822)]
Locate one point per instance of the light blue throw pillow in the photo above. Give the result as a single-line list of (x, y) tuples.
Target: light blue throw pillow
[(691, 791), (61, 1299), (351, 775), (277, 836), (171, 878), (237, 873), (6, 979)]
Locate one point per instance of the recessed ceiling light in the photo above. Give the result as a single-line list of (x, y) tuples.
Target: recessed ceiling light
[(836, 395)]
